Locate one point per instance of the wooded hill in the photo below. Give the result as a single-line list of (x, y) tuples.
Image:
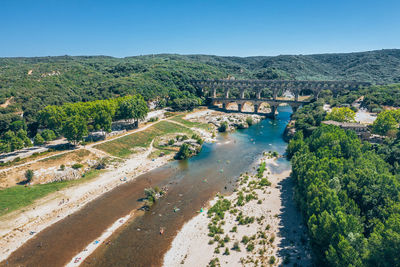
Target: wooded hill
[(37, 82)]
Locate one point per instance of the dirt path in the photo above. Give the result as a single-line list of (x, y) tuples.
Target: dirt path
[(7, 103), (90, 146)]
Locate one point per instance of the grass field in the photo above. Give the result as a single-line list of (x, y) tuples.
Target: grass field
[(123, 147), (19, 196), (180, 119)]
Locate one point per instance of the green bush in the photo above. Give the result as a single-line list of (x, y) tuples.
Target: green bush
[(249, 121), (223, 127), (77, 166), (29, 174), (184, 152)]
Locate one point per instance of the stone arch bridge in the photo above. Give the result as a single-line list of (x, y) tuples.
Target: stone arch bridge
[(258, 92)]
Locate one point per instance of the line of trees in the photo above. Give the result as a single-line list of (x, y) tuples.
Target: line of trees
[(75, 120), (349, 198)]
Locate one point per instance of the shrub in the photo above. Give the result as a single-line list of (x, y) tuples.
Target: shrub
[(272, 260), (223, 127), (29, 174), (184, 152), (260, 170), (227, 239), (48, 135), (250, 246), (101, 164), (236, 246), (214, 263), (249, 121), (245, 239), (226, 251), (153, 119), (240, 200), (62, 167), (77, 166), (264, 182), (219, 209), (38, 140), (171, 142)]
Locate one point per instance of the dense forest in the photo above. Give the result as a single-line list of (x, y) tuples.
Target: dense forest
[(27, 85), (37, 82), (349, 197)]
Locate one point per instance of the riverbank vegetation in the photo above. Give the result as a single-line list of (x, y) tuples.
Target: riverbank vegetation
[(348, 197)]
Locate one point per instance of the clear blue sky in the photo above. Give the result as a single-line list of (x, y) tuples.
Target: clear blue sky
[(221, 27)]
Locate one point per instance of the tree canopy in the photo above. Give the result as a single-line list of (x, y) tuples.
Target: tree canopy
[(343, 114), (348, 197)]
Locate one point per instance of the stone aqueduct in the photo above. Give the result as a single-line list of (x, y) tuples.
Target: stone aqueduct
[(258, 92)]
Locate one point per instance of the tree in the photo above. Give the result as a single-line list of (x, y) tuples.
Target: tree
[(103, 121), (184, 152), (17, 125), (38, 140), (185, 103), (133, 107), (48, 135), (74, 129), (52, 117), (386, 121), (23, 135), (29, 174), (16, 143), (343, 114), (223, 127)]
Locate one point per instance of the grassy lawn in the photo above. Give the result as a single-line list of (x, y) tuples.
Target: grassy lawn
[(123, 147), (19, 196)]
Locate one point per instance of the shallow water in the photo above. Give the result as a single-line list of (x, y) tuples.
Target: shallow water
[(191, 183), (140, 244)]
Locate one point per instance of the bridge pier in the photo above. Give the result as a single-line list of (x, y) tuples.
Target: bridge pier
[(256, 108), (275, 94), (258, 95), (241, 94), (214, 93), (316, 94), (227, 93), (240, 107), (296, 96), (273, 111)]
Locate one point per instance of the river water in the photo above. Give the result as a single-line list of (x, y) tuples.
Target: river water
[(191, 184)]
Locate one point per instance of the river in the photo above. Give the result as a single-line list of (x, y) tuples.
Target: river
[(191, 183)]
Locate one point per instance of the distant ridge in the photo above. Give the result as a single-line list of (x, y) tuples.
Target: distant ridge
[(35, 82)]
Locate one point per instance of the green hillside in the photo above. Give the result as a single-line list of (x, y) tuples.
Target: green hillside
[(37, 82)]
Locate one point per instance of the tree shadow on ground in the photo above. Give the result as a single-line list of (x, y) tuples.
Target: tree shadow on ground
[(294, 247)]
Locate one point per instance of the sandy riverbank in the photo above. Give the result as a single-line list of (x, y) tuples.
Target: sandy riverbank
[(277, 233), (18, 227)]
